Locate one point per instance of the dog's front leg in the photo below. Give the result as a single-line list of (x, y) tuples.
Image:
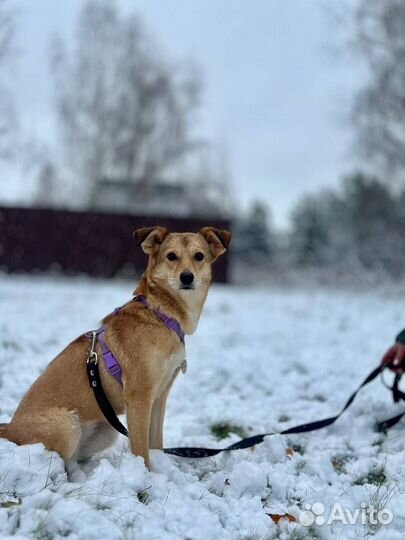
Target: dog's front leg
[(139, 410), (155, 438), (158, 416)]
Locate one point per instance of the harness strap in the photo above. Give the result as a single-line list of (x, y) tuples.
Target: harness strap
[(169, 322), (111, 363)]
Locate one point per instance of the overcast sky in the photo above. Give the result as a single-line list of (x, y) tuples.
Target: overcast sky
[(274, 93)]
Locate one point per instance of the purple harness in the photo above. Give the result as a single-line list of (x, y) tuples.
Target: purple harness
[(111, 363)]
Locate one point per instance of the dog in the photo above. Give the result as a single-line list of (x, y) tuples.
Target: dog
[(60, 410)]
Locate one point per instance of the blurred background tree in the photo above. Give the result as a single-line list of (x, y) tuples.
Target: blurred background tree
[(124, 110), (358, 229), (311, 231), (7, 111), (378, 35), (255, 239), (374, 225)]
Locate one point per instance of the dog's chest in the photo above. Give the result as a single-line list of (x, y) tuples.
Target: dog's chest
[(170, 367)]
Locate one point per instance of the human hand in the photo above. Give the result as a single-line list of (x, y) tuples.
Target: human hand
[(396, 357)]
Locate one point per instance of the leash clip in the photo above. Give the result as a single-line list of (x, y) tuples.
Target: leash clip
[(92, 356)]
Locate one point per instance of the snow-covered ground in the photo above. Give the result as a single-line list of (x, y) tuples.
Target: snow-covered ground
[(261, 360)]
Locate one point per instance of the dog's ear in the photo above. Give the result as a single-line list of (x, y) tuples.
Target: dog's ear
[(217, 240), (150, 238)]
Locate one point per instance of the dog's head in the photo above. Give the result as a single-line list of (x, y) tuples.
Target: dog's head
[(182, 260)]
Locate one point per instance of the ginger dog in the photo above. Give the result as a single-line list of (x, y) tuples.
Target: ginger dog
[(60, 410)]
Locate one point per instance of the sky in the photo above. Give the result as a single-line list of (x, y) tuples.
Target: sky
[(276, 91)]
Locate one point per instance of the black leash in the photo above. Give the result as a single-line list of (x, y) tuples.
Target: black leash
[(193, 452), (93, 375), (196, 452)]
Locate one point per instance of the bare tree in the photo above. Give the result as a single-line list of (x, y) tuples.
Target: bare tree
[(124, 111), (379, 108), (7, 113)]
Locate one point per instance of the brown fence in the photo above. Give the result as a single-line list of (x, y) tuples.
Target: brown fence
[(102, 245)]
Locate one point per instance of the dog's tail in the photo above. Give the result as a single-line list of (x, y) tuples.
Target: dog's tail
[(3, 430)]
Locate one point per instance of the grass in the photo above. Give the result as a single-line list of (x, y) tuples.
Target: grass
[(339, 462), (40, 533), (143, 496), (381, 428), (381, 440), (222, 430), (379, 501), (380, 491), (296, 447), (297, 534), (376, 477)]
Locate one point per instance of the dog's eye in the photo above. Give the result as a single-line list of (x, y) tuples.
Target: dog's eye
[(199, 256), (171, 256)]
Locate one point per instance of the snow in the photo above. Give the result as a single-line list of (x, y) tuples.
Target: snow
[(263, 360)]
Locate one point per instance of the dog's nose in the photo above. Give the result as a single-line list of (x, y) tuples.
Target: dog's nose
[(187, 277)]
